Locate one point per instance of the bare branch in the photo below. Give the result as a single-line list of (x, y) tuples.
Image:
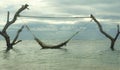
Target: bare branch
[(17, 35), (18, 12), (0, 32), (6, 22), (118, 28), (100, 28), (17, 42), (118, 32), (15, 17), (5, 35), (8, 16)]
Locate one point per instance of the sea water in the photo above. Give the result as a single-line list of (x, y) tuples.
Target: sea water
[(77, 55)]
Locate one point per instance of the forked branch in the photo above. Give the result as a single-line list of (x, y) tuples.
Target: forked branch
[(118, 32), (112, 39), (100, 27), (17, 35), (14, 18)]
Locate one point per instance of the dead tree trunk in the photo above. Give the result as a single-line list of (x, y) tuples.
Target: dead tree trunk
[(3, 33), (112, 45), (112, 39)]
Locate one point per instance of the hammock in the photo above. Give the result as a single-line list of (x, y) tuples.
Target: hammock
[(44, 46)]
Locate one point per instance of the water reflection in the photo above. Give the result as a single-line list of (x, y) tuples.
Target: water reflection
[(62, 49), (16, 50), (77, 55), (6, 55)]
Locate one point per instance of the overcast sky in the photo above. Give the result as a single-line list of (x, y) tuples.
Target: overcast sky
[(107, 11)]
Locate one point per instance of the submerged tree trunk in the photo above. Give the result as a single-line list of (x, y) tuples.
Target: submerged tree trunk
[(9, 45), (112, 45), (3, 33), (112, 39)]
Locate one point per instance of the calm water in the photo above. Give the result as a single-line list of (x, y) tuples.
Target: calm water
[(77, 55)]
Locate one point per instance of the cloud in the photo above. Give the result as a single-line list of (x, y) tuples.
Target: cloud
[(106, 10), (99, 8)]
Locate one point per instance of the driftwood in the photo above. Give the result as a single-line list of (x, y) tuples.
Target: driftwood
[(45, 46), (4, 33), (112, 39)]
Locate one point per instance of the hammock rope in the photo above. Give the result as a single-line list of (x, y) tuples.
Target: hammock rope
[(51, 16), (36, 37), (48, 17), (43, 45)]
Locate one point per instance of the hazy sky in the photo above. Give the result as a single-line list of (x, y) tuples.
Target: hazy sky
[(107, 11)]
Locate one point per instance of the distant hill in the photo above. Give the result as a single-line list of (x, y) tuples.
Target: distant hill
[(88, 31)]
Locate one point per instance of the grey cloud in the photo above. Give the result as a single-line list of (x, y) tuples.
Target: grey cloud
[(97, 7), (105, 9)]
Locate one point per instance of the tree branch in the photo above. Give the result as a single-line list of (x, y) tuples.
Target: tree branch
[(17, 42), (100, 28), (118, 32), (14, 18), (0, 32), (8, 14), (6, 22), (17, 35), (118, 28)]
